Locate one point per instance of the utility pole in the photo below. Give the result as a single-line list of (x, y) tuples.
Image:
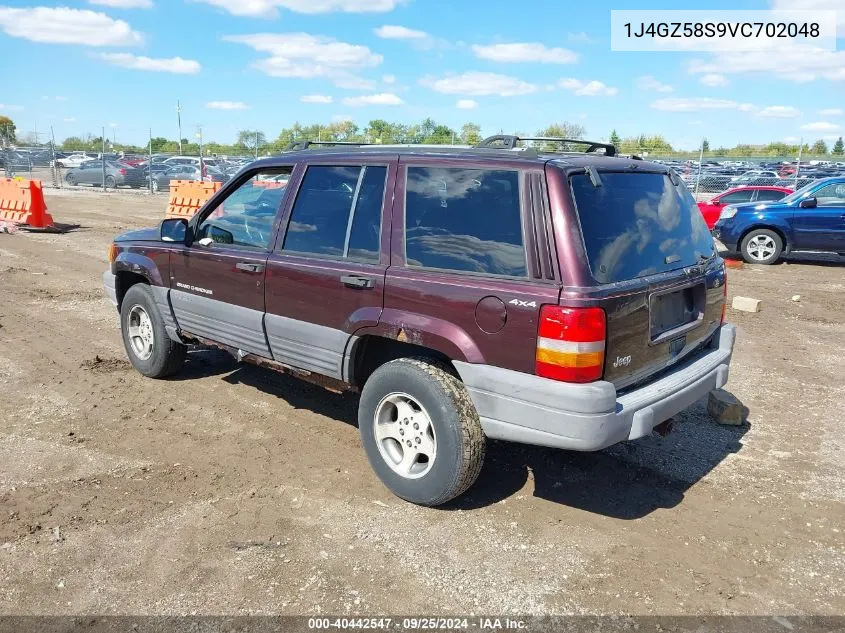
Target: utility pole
[(179, 120)]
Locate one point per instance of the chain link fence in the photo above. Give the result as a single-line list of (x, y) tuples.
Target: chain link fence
[(109, 166)]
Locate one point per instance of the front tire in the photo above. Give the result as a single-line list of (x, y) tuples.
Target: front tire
[(70, 179), (761, 246), (150, 350), (421, 431)]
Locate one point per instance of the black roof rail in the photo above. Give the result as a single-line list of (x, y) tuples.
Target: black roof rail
[(509, 141), (300, 145)]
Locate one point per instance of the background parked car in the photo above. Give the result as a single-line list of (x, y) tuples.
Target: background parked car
[(73, 160), (713, 207), (161, 182), (811, 219), (117, 175)]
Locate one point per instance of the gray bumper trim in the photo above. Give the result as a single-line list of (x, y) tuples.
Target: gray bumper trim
[(110, 286), (525, 408)]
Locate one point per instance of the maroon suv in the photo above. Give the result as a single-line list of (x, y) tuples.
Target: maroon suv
[(572, 300)]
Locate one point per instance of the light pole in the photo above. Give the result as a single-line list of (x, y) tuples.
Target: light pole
[(179, 121)]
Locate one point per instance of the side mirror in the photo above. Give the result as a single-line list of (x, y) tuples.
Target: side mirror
[(174, 230), (808, 203)]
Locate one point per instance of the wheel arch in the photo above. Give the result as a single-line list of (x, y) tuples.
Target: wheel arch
[(367, 352)]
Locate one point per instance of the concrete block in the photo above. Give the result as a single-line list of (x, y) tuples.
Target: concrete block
[(747, 304), (725, 408)]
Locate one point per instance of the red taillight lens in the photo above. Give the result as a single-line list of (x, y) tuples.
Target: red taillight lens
[(122, 172), (570, 343)]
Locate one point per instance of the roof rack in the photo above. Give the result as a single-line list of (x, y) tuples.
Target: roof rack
[(300, 145), (509, 141)]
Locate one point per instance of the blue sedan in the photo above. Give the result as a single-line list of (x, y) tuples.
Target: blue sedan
[(811, 219)]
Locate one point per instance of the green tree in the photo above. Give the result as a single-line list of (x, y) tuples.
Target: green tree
[(471, 134), (839, 147), (7, 131), (560, 130), (705, 145), (615, 139), (819, 148), (250, 140)]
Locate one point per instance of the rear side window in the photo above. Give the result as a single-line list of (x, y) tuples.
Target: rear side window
[(464, 219), (638, 224), (338, 212), (770, 194)]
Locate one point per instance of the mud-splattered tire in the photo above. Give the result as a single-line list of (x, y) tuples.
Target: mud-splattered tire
[(401, 400), (150, 350)]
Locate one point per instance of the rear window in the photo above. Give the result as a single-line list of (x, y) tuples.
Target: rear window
[(638, 224)]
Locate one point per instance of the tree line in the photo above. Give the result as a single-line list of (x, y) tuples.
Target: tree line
[(257, 143)]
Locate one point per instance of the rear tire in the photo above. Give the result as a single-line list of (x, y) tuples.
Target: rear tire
[(110, 182), (150, 350), (418, 406), (761, 246)]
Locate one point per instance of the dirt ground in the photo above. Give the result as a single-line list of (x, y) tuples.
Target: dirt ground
[(232, 490)]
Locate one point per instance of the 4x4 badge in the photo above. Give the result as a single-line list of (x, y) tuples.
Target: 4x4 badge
[(523, 304)]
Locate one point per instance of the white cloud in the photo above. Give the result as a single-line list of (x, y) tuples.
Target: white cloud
[(384, 98), (227, 105), (816, 5), (651, 84), (579, 37), (747, 107), (589, 89), (62, 25), (8, 107), (779, 112), (714, 80), (393, 32), (316, 99), (306, 56), (69, 119), (124, 4), (466, 104), (832, 112), (479, 84), (820, 126), (519, 52), (389, 79), (270, 8), (697, 104), (175, 65), (800, 64)]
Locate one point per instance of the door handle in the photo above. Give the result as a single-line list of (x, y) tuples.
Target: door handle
[(357, 281), (249, 267)]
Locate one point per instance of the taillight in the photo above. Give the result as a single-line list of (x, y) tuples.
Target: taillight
[(570, 343), (122, 172)]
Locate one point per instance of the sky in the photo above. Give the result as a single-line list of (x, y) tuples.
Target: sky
[(84, 65)]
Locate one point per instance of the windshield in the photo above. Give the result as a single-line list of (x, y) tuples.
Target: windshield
[(803, 192), (638, 224)]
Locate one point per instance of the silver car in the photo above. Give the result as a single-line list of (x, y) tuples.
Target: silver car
[(116, 175)]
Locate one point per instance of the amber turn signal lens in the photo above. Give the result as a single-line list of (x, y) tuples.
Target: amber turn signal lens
[(112, 253)]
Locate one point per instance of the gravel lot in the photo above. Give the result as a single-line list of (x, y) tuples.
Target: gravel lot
[(232, 490)]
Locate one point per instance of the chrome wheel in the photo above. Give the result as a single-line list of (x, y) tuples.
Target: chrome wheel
[(760, 247), (141, 336), (404, 435), (155, 186)]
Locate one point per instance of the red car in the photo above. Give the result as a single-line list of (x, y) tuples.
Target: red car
[(713, 207)]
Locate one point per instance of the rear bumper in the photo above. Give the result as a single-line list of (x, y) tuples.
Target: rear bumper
[(528, 409)]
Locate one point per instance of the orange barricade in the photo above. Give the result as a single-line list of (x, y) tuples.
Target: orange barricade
[(187, 196), (22, 202)]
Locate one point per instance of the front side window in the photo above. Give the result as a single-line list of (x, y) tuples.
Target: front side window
[(246, 216), (464, 220), (831, 195), (737, 196), (338, 212)]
